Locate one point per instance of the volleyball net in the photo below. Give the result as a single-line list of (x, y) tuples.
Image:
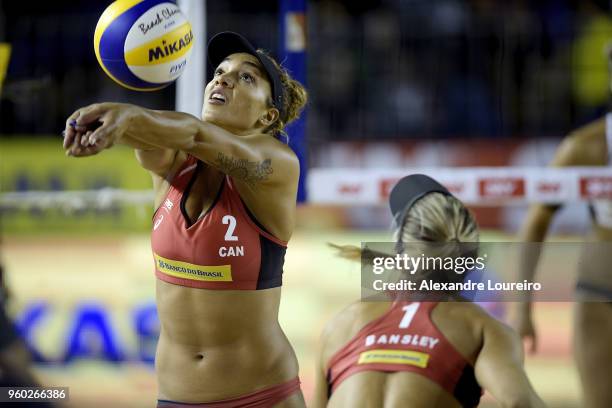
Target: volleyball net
[(475, 186)]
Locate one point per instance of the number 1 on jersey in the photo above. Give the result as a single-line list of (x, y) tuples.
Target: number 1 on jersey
[(409, 312)]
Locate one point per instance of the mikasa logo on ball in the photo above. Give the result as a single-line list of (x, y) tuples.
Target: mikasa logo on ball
[(169, 49)]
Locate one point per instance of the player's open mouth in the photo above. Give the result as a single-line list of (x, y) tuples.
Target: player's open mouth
[(217, 98)]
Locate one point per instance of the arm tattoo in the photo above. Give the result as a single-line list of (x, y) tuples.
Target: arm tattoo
[(244, 170)]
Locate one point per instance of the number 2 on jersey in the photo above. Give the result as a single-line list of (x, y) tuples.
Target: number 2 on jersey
[(229, 234), (409, 312)]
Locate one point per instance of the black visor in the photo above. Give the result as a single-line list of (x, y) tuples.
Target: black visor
[(228, 42), (410, 189)]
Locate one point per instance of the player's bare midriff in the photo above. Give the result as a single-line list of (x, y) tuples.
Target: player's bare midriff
[(216, 345)]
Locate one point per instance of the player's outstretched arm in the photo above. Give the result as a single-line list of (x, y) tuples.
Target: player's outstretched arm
[(499, 368), (253, 159)]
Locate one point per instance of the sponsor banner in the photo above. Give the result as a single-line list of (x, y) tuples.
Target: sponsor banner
[(486, 272), (185, 270), (478, 186), (501, 188), (596, 186), (382, 356), (550, 187), (41, 189), (92, 330), (5, 56)]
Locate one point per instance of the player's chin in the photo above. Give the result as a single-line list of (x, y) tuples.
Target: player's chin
[(211, 112), (219, 117)]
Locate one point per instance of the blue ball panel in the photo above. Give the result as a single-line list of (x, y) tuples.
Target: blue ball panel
[(123, 74)]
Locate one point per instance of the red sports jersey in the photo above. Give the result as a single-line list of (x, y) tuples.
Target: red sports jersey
[(405, 339), (224, 249)]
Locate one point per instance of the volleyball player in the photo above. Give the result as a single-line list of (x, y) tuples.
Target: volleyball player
[(15, 359), (407, 352), (225, 190), (590, 145)]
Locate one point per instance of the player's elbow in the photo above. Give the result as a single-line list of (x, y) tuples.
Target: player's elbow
[(158, 161)]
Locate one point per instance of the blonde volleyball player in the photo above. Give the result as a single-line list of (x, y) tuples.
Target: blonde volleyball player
[(590, 145), (411, 353), (225, 191)]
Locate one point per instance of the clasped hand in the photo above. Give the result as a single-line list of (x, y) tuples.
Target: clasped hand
[(96, 127)]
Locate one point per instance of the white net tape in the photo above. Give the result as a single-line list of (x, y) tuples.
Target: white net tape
[(487, 186), (75, 200)]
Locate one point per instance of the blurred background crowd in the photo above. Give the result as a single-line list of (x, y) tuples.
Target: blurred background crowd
[(385, 69)]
